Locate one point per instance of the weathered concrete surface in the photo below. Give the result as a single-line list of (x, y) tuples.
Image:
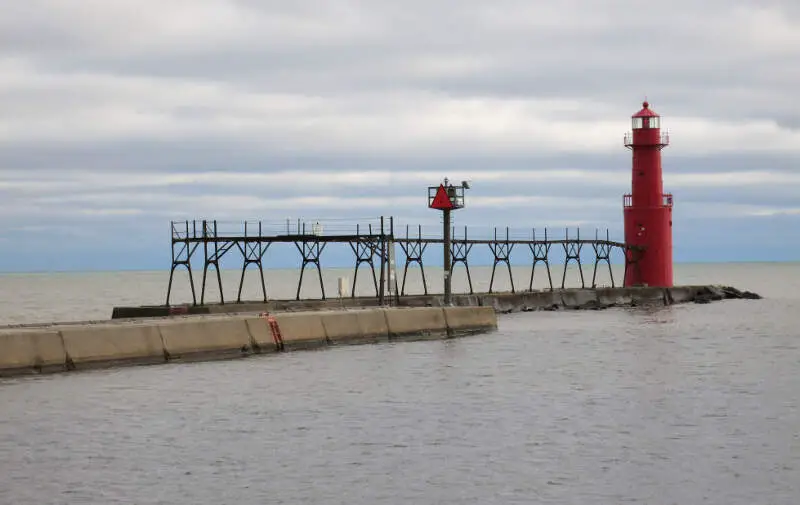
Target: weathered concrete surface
[(261, 336), (341, 326), (197, 339), (233, 332), (31, 351), (302, 329), (602, 298), (62, 347), (421, 321), (466, 319), (575, 299), (716, 293), (583, 299), (108, 343), (373, 325)]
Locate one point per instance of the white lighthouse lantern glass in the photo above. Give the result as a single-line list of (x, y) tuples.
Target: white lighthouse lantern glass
[(654, 122), (637, 123)]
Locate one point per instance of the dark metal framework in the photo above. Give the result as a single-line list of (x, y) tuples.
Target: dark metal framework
[(572, 251), (502, 254), (602, 252), (459, 253), (540, 251), (371, 243), (413, 249)]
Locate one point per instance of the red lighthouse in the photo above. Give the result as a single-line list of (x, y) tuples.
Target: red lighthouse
[(648, 210)]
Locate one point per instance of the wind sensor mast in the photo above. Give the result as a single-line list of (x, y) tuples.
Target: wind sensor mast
[(446, 197)]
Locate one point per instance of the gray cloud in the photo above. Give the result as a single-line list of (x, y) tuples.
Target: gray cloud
[(740, 54), (100, 99)]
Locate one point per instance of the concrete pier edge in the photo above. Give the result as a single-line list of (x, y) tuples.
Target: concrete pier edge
[(48, 348), (503, 302), (241, 330)]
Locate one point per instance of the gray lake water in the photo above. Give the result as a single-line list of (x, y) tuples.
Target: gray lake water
[(686, 404)]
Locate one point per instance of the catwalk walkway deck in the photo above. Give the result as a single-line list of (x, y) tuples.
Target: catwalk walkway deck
[(374, 241)]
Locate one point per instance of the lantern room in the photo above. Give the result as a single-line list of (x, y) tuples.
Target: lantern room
[(646, 118), (646, 129)]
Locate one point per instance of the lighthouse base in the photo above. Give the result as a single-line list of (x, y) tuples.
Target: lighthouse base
[(651, 229)]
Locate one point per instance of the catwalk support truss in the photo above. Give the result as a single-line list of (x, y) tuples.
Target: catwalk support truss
[(372, 244)]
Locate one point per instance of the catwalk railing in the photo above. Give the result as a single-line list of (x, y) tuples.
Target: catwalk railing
[(380, 240)]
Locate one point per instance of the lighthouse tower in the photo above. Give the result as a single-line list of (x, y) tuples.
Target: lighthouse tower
[(647, 209)]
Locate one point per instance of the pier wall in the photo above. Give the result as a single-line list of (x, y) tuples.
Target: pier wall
[(76, 346), (570, 299)]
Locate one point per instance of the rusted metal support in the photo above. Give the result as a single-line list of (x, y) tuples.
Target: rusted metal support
[(382, 289), (447, 256), (572, 250), (311, 250), (365, 249), (253, 254), (540, 251), (502, 254), (602, 252), (182, 251), (391, 265), (213, 256), (413, 249), (253, 242), (459, 252)]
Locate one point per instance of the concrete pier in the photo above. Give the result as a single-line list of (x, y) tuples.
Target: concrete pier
[(570, 299), (161, 334), (78, 346)]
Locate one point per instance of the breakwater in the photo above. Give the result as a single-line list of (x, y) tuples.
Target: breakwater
[(568, 299), (161, 334), (84, 345)]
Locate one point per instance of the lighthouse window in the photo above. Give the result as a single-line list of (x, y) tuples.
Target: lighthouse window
[(654, 122), (637, 123)]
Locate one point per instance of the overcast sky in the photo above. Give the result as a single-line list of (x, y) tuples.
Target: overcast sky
[(118, 116)]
